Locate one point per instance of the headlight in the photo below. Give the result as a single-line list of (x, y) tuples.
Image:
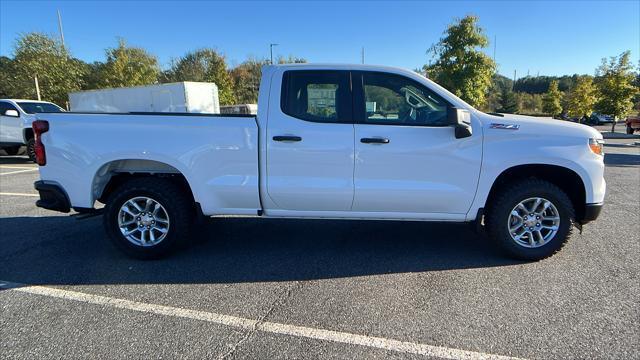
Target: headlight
[(596, 146)]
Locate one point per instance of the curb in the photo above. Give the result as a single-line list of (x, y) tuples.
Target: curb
[(610, 135)]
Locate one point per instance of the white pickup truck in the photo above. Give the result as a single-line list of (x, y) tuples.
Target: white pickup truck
[(329, 141), (16, 117)]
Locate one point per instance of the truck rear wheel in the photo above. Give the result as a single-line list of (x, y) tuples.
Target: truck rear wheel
[(148, 217), (531, 220)]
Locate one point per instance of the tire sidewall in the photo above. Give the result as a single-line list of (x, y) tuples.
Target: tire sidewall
[(31, 149), (168, 244), (503, 211)]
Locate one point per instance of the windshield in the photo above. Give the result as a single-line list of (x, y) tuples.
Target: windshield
[(36, 107)]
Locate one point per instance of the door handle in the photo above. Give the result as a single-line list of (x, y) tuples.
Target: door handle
[(287, 138), (374, 140)]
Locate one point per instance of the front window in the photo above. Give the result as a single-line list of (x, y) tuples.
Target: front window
[(396, 100), (37, 107)]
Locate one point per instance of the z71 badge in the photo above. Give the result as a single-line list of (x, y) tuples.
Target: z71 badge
[(505, 126)]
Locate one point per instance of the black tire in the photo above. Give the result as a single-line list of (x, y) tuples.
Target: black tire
[(14, 150), (499, 211), (629, 130), (178, 205), (31, 149)]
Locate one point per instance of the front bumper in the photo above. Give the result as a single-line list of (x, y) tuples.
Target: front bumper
[(591, 212), (52, 197)]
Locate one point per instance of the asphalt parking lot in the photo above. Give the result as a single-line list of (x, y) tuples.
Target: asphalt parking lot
[(262, 289)]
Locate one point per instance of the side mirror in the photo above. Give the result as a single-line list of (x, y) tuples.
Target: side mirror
[(12, 113), (461, 120)]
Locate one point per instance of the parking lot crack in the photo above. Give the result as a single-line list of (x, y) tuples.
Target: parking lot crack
[(279, 301)]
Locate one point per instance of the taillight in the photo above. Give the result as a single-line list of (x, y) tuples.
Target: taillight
[(40, 127)]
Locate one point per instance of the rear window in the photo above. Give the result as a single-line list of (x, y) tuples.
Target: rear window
[(34, 107), (319, 96), (4, 106)]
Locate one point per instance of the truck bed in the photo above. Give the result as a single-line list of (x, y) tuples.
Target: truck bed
[(217, 154)]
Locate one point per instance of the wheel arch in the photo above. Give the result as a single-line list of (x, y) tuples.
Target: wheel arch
[(565, 178), (27, 134), (116, 172)]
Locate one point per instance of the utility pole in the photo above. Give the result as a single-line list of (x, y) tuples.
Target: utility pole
[(514, 78), (60, 28), (495, 43), (363, 54), (35, 79), (271, 51)]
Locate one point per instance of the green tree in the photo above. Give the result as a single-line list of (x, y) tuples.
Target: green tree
[(290, 60), (246, 77), (203, 65), (6, 65), (40, 55), (127, 66), (460, 65), (246, 80), (92, 78), (615, 84), (494, 93), (551, 101), (508, 102), (530, 104), (582, 97)]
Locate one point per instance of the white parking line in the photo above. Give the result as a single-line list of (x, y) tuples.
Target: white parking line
[(250, 324), (16, 167), (18, 194), (17, 172)]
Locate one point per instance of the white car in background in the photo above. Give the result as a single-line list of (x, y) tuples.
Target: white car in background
[(16, 116)]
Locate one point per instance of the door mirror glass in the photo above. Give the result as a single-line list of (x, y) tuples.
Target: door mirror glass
[(12, 113), (461, 120)]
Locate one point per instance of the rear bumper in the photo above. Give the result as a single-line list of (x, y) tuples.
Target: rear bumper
[(591, 212), (52, 197)]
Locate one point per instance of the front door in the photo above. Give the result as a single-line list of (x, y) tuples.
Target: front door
[(310, 142), (407, 157)]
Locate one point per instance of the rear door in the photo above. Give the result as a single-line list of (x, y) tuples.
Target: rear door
[(10, 126), (407, 157), (310, 141)]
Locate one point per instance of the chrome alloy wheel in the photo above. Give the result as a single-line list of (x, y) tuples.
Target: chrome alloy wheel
[(143, 221), (533, 222)]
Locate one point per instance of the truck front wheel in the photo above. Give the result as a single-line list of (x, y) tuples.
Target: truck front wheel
[(148, 217), (530, 220), (31, 149)]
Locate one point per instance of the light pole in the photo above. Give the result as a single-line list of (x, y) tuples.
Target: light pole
[(60, 28), (271, 51)]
